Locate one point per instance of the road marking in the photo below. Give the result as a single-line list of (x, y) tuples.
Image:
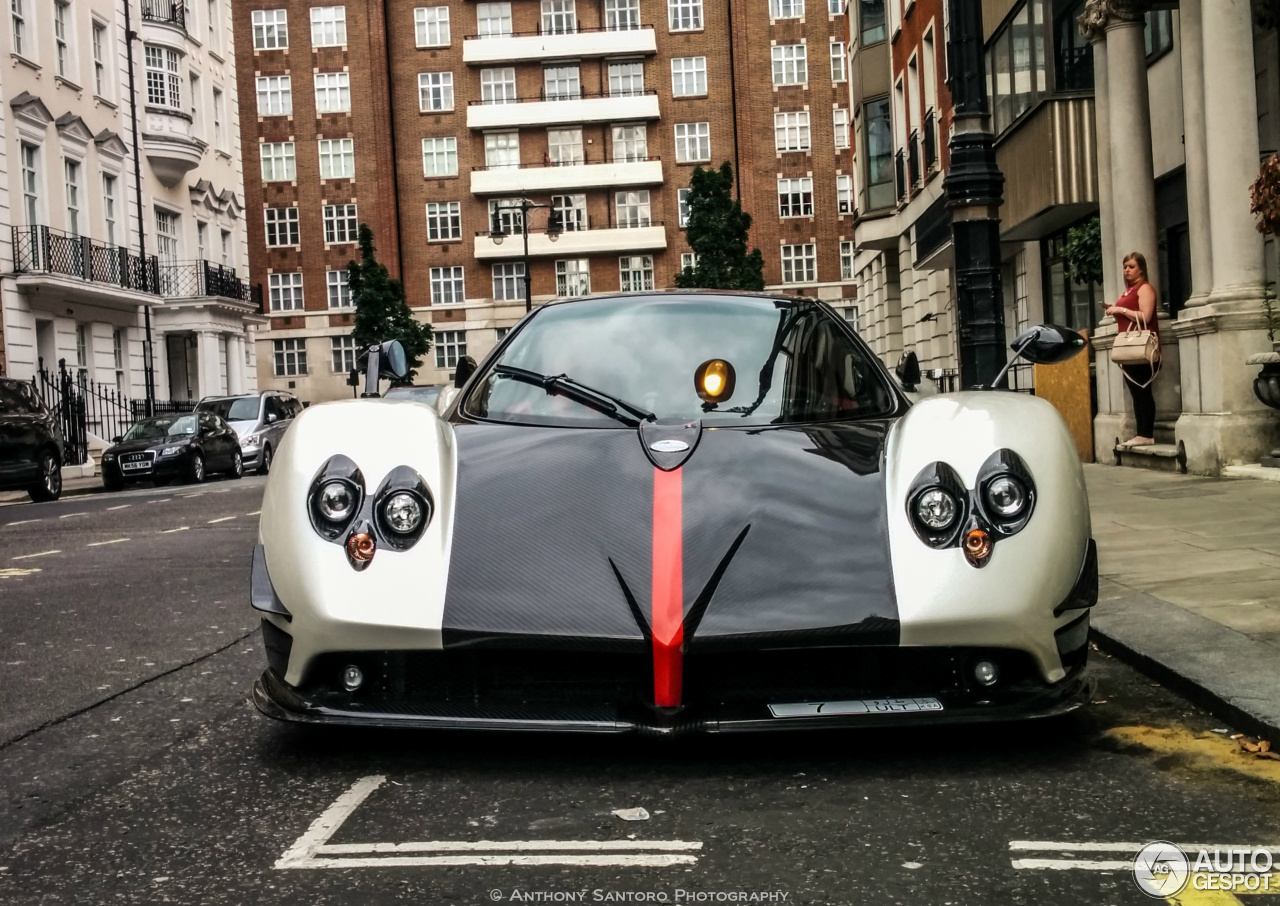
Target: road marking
[(41, 554), (162, 500), (304, 852), (172, 530), (223, 519), (123, 506), (112, 541), (17, 572), (21, 522), (254, 513), (69, 515)]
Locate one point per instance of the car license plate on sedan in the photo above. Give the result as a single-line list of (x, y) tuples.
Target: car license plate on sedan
[(856, 706), (135, 464)]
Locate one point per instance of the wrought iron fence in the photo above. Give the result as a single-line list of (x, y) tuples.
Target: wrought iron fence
[(172, 12), (930, 140), (203, 278), (40, 249)]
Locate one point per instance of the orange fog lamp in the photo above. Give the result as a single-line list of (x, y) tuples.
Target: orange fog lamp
[(714, 380), (977, 547), (361, 547)]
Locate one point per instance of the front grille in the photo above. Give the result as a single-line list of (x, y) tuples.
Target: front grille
[(137, 462)]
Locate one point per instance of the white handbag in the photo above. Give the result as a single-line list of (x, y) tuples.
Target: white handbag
[(1137, 347)]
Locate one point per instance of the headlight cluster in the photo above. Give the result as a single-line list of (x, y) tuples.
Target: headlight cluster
[(945, 513), (170, 451), (394, 516)]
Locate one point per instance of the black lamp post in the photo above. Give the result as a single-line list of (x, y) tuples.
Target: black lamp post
[(555, 226), (974, 186)]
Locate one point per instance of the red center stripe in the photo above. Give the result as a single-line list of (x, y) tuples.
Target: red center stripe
[(667, 619)]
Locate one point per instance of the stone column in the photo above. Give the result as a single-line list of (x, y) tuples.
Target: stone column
[(1191, 48), (1102, 124), (235, 363), (207, 369)]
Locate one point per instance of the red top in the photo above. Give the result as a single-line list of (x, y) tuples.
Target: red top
[(1130, 301)]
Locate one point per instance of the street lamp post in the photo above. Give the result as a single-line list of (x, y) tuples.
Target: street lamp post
[(555, 225)]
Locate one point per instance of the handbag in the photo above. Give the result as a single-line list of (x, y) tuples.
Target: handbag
[(1137, 347)]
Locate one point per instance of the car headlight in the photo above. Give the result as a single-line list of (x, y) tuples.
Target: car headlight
[(1005, 496), (1006, 492), (937, 509), (403, 512), (108, 457), (336, 501), (169, 451), (402, 506), (938, 505), (337, 493), (251, 441)]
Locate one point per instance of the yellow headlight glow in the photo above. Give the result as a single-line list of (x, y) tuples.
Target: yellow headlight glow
[(713, 380)]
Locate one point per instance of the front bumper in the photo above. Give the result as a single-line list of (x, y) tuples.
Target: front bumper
[(168, 467)]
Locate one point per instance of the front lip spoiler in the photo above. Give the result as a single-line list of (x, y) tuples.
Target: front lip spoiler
[(274, 698)]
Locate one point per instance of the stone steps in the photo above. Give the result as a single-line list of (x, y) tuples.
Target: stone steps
[(1157, 457)]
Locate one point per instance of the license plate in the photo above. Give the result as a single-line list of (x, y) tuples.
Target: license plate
[(133, 466), (856, 706)]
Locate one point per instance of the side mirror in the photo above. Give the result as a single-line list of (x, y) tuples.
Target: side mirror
[(382, 360), (908, 371), (1048, 344), (466, 368), (271, 418)]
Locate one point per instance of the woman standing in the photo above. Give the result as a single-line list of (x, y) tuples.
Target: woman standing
[(1135, 310)]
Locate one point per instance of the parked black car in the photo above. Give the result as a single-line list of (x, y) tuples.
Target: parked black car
[(187, 446), (30, 443)]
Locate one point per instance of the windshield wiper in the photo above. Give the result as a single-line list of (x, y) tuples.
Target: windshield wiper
[(589, 396)]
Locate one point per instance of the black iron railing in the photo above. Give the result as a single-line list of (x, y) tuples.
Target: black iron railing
[(913, 160), (170, 12), (42, 250), (930, 140), (188, 279), (566, 163), (569, 95), (564, 30), (900, 174)]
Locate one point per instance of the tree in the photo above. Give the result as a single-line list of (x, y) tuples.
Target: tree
[(717, 233), (1082, 252), (381, 311)]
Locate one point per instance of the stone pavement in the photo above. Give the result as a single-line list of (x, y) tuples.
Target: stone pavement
[(1190, 585), (71, 487)]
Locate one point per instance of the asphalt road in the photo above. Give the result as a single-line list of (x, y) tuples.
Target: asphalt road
[(134, 770)]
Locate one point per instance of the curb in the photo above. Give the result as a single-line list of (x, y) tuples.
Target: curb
[(8, 499)]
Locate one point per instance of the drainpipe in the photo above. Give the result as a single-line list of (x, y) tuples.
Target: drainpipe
[(148, 354), (733, 103), (395, 161)]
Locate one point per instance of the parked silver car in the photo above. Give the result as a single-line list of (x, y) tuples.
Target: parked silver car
[(260, 419)]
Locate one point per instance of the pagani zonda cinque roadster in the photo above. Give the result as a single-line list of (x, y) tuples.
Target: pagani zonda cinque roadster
[(670, 512)]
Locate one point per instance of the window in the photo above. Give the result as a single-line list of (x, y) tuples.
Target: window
[(1159, 32), (791, 131), (837, 61), (498, 86), (693, 142), (275, 96), (202, 240), (291, 357), (835, 7), (440, 156), (559, 17), (30, 183), (61, 35), (435, 91), (508, 213), (340, 223), (444, 221), (278, 164), (846, 264), (500, 333), (119, 342), (214, 15), (328, 26), (561, 83), (573, 277), (109, 215), (431, 26), (282, 226), (446, 285), (19, 20), (285, 291), (99, 41), (333, 92), (164, 88), (881, 191), (636, 273), (226, 249), (494, 19), (219, 120), (71, 172), (1016, 66), (795, 197), (502, 150), (840, 127), (799, 263), (630, 143), (682, 206), (1072, 52), (337, 158), (564, 146), (82, 348), (344, 354), (508, 281), (871, 20), (626, 79), (193, 93), (166, 237), (786, 9), (684, 15), (688, 260), (270, 29), (451, 346), (790, 64), (844, 193), (572, 210), (850, 314), (621, 15), (339, 289), (688, 76), (632, 208)]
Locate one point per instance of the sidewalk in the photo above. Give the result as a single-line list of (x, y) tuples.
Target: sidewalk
[(71, 487), (1190, 586)]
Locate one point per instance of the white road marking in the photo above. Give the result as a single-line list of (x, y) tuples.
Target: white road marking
[(112, 541), (1130, 849), (1062, 864), (123, 506), (254, 513), (17, 572), (304, 852), (172, 530), (162, 500), (21, 522), (223, 519), (69, 515), (41, 554)]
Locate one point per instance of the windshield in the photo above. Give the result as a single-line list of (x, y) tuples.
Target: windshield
[(233, 409), (793, 362), (162, 427), (421, 394)]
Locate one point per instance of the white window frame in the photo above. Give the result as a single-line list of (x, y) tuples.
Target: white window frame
[(795, 197), (328, 26), (341, 223), (626, 79), (110, 201), (573, 277), (844, 194), (333, 92), (510, 216), (283, 227), (786, 9), (18, 25), (688, 260), (270, 29), (99, 42), (434, 150), (688, 77), (498, 86), (431, 26), (630, 142), (502, 150), (444, 221), (564, 147), (562, 83), (275, 95), (840, 127), (490, 25), (219, 119), (558, 17), (448, 285), (32, 196), (573, 212), (284, 291), (289, 357), (846, 260), (342, 353), (63, 29), (635, 273), (839, 62), (633, 209), (339, 289), (693, 142), (337, 150), (508, 281), (164, 83), (621, 15), (790, 64), (682, 206), (72, 171), (800, 263), (433, 88), (685, 15), (451, 347), (791, 131), (279, 163)]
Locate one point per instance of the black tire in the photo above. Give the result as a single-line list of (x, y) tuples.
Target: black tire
[(265, 466), (49, 485), (195, 469), (237, 466), (112, 481)]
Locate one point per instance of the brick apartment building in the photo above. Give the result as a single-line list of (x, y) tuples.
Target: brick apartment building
[(422, 120)]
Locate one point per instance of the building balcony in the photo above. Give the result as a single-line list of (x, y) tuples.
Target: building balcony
[(165, 12), (169, 145), (581, 108), (483, 50), (528, 178), (82, 269), (207, 281), (646, 236), (1050, 162)]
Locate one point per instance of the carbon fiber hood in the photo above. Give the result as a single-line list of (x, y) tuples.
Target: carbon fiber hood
[(783, 530)]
